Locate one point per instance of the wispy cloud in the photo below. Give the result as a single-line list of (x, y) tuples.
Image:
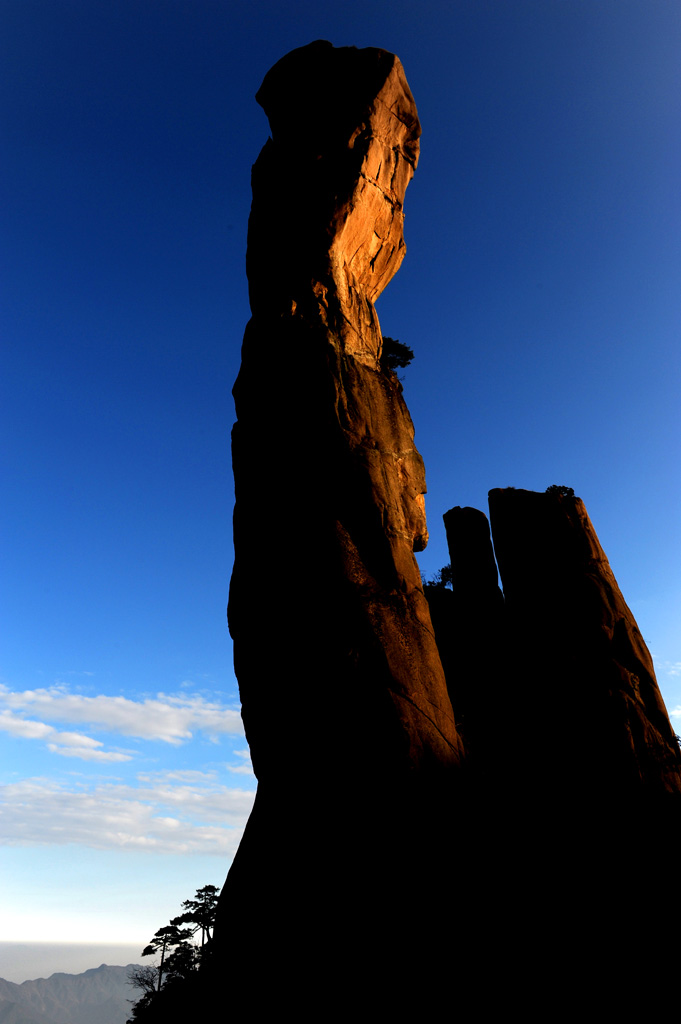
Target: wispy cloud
[(171, 719), (668, 668), (89, 753), (242, 769), (158, 817), (68, 744)]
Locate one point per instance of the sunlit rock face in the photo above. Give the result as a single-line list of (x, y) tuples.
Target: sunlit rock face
[(329, 187), (340, 678)]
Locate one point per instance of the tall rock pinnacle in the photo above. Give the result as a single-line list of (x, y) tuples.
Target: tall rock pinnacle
[(340, 677), (325, 465)]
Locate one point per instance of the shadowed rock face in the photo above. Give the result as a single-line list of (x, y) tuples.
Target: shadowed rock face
[(338, 669), (552, 685), (573, 771), (583, 677), (469, 625)]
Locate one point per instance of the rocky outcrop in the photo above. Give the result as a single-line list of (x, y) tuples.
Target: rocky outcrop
[(333, 641), (584, 681), (393, 837), (553, 686), (573, 770)]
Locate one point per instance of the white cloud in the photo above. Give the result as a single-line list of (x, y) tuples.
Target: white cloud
[(76, 739), (676, 713), (159, 818), (89, 754), (669, 668), (68, 744), (242, 769), (179, 775), (24, 728), (170, 719)]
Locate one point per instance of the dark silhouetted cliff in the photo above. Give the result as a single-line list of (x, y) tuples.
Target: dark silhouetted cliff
[(451, 817)]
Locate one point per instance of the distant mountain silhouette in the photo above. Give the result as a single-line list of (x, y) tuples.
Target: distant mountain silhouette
[(101, 995)]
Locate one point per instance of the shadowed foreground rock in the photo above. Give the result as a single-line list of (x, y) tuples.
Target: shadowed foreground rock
[(572, 764), (571, 750), (586, 668), (559, 658)]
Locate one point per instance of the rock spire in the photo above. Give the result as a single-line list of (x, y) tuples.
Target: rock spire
[(323, 447), (338, 669)]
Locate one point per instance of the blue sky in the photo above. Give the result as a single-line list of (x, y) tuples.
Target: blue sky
[(540, 294)]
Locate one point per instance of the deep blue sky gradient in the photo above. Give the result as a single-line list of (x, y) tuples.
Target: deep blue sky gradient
[(540, 294)]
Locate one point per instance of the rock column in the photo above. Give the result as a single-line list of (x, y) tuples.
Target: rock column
[(344, 698)]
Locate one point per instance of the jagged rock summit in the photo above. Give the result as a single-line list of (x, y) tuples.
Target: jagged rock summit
[(328, 189)]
